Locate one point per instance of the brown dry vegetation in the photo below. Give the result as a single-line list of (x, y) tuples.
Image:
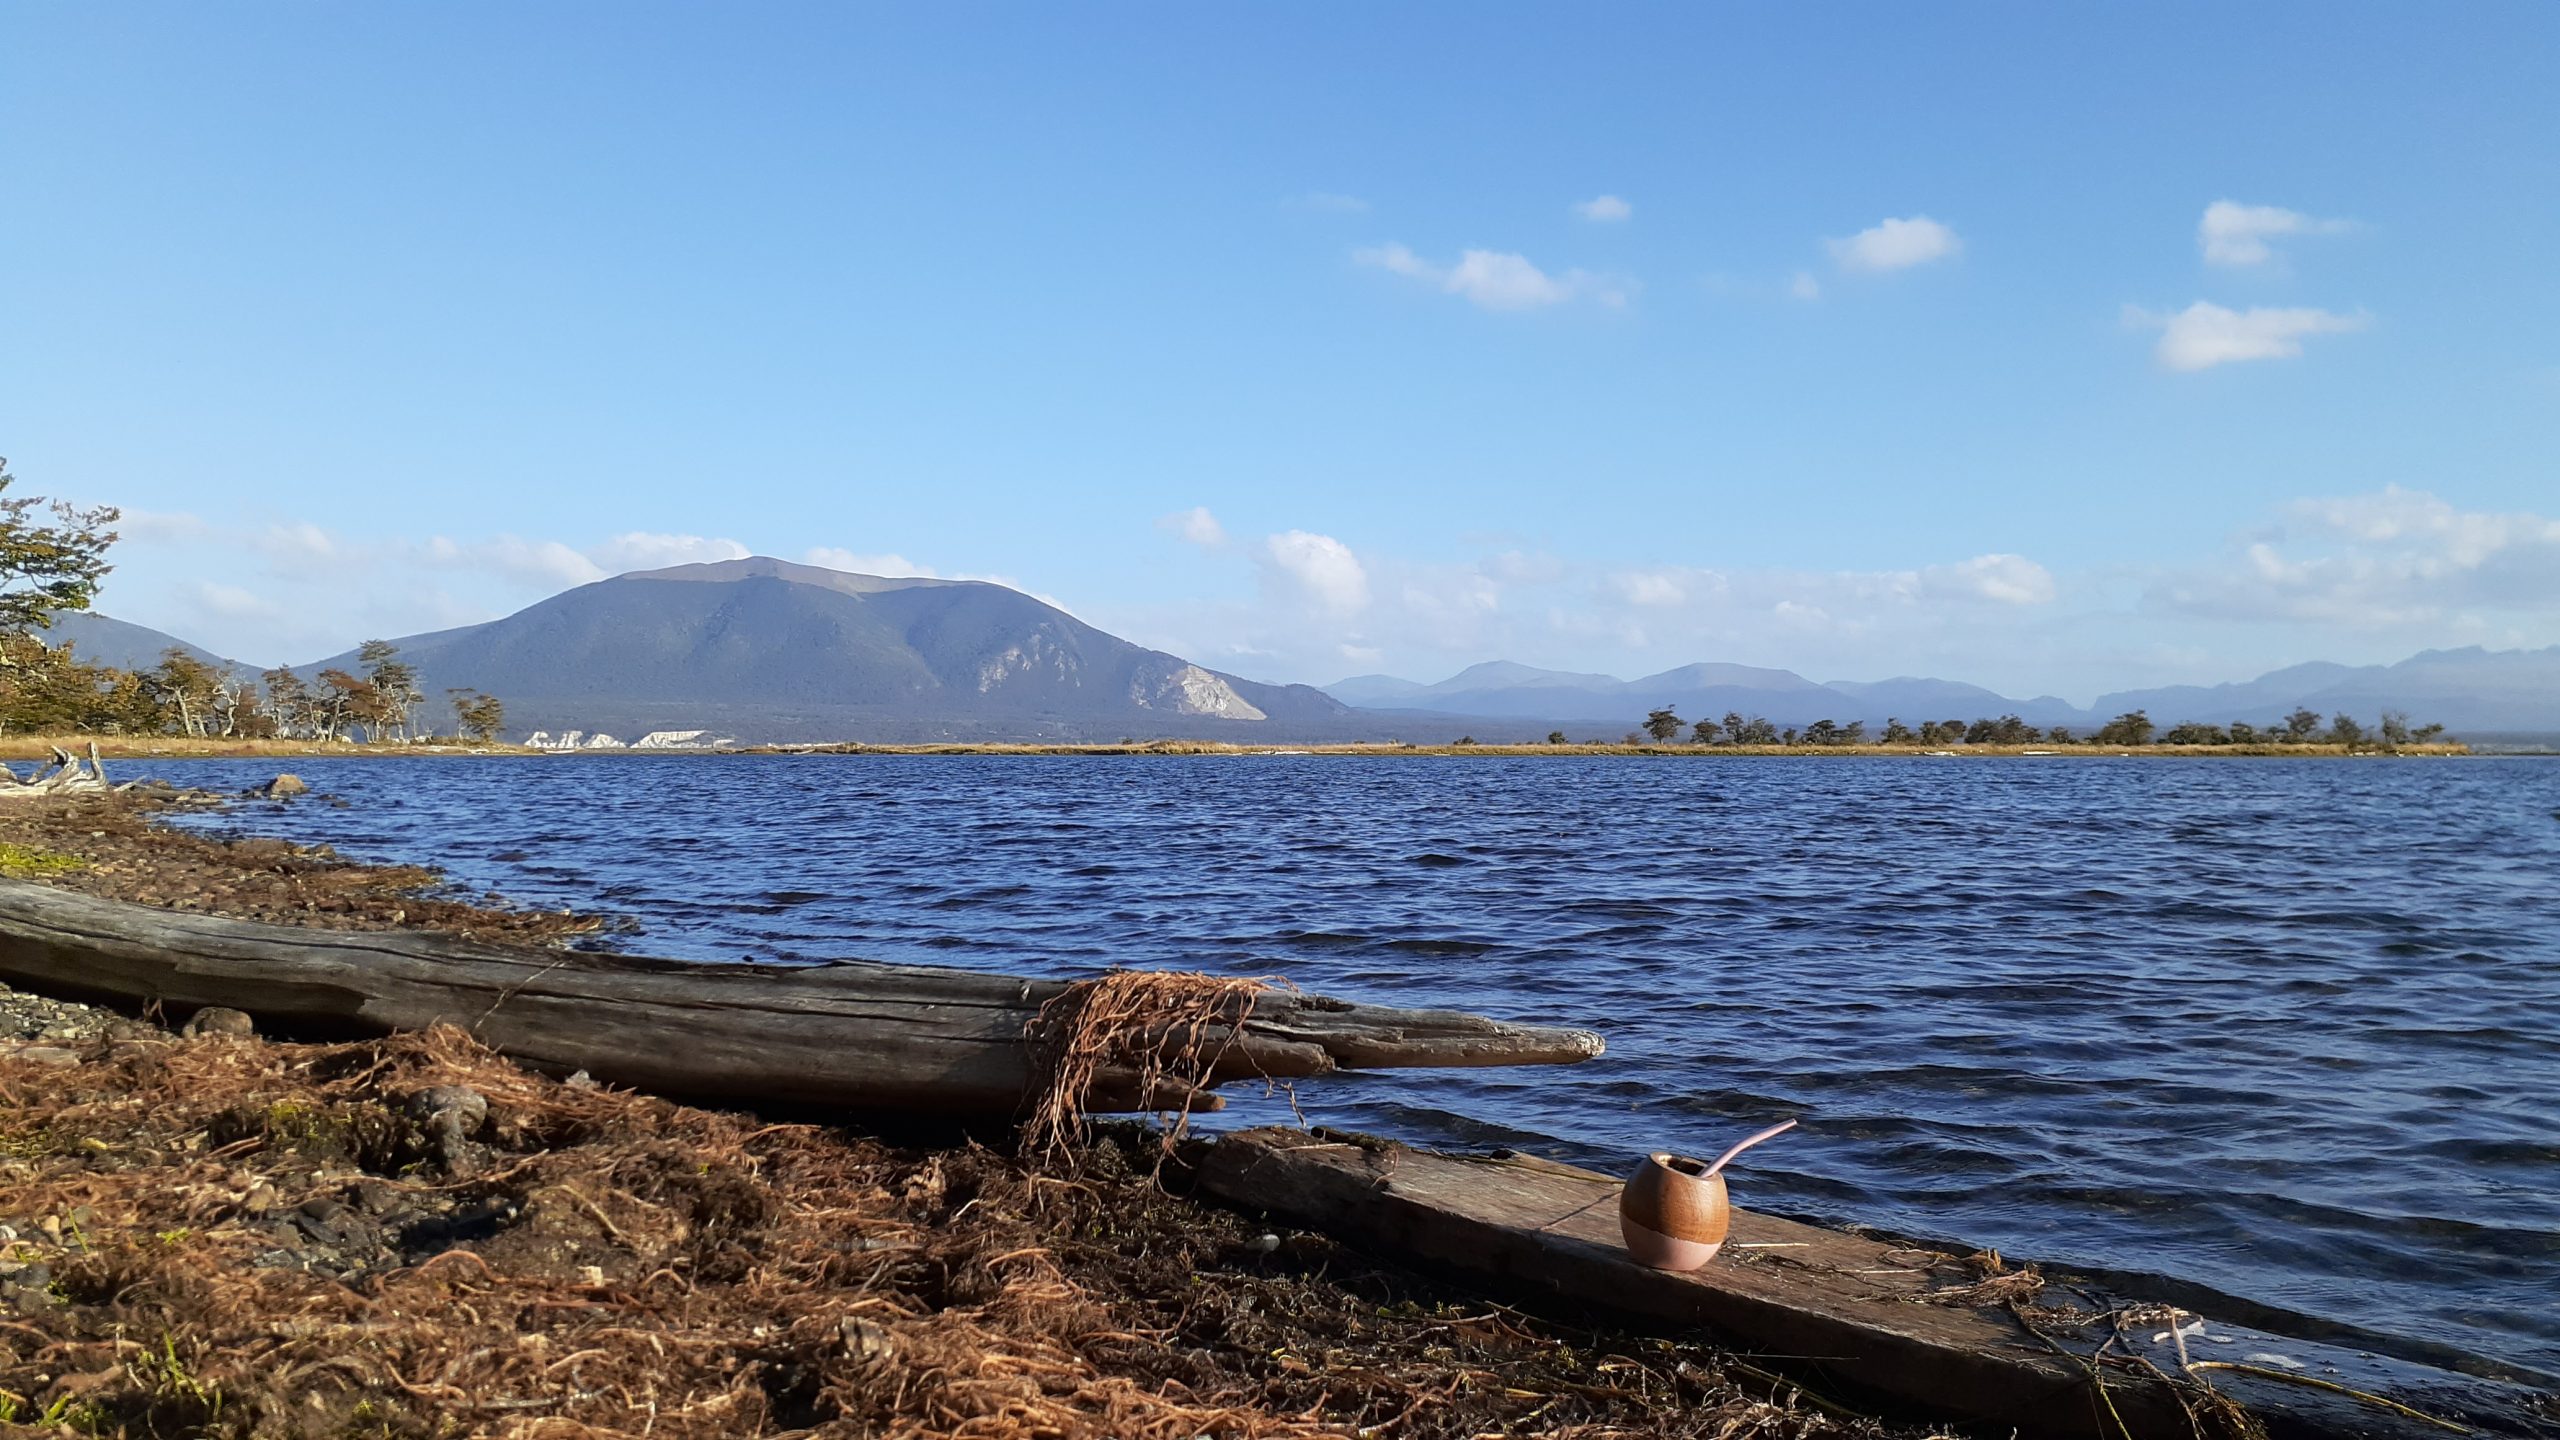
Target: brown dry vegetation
[(226, 1236)]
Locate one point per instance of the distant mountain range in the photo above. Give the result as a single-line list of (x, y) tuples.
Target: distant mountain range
[(768, 650), (2471, 689)]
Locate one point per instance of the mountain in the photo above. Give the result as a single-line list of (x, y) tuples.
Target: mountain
[(1505, 690), (1915, 698), (104, 640), (2468, 689), (2475, 690), (769, 650), (1375, 691)]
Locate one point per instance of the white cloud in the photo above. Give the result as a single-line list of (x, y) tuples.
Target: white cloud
[(1321, 569), (233, 603), (1804, 286), (160, 525), (1195, 526), (2002, 579), (2205, 334), (540, 562), (640, 550), (2391, 557), (1519, 567), (1605, 209), (890, 566), (1895, 245), (1652, 589), (2235, 234), (1497, 280)]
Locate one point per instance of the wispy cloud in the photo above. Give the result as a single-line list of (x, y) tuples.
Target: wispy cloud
[(2235, 234), (1605, 209), (1804, 287), (643, 550), (1496, 279), (1195, 526), (2392, 557), (1896, 244), (535, 562), (2205, 334)]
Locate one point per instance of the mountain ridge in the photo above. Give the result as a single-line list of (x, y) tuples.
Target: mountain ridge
[(2467, 688)]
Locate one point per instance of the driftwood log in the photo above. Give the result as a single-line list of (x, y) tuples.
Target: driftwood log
[(65, 774), (1902, 1328), (846, 1034)]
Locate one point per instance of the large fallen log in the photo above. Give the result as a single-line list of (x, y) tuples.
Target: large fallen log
[(846, 1034), (1901, 1328)]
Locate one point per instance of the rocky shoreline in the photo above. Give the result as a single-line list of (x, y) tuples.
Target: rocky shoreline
[(206, 1232)]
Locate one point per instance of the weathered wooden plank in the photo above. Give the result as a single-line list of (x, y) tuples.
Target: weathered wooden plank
[(1841, 1311), (844, 1033)]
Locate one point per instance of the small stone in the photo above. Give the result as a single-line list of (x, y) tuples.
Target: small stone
[(467, 1107), (322, 1208), (283, 787), (451, 1115), (862, 1339), (216, 1020), (43, 1055), (591, 1276)]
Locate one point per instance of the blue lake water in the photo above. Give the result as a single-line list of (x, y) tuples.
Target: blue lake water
[(2286, 1029)]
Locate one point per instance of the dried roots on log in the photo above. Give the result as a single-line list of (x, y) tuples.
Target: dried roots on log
[(65, 774), (1133, 1039)]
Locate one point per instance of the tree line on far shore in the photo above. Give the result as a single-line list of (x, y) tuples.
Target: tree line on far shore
[(2132, 728), (49, 690), (52, 556)]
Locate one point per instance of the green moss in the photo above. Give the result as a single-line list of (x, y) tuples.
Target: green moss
[(25, 862)]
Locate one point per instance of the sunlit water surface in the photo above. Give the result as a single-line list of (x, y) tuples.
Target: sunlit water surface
[(2286, 1029)]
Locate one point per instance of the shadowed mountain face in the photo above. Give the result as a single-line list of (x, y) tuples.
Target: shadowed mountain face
[(767, 650), (103, 640)]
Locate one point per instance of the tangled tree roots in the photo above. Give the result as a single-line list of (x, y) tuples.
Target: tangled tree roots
[(1158, 1033)]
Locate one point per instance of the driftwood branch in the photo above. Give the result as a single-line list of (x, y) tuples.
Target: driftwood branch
[(64, 774), (851, 1034)]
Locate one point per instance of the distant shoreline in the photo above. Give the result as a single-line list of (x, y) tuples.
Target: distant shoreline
[(114, 748)]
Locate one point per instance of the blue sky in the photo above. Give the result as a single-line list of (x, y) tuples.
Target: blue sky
[(1309, 341)]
